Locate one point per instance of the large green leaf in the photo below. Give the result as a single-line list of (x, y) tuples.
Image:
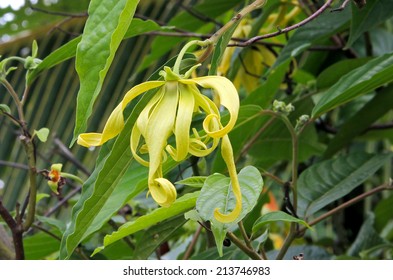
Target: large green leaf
[(374, 13), (40, 245), (330, 75), (359, 122), (216, 193), (327, 181), (180, 206), (277, 216), (104, 30), (367, 237), (362, 80), (155, 236)]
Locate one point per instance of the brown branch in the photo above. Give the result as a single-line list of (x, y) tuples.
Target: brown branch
[(14, 165), (349, 203), (289, 28), (249, 252), (194, 240), (16, 230), (199, 15)]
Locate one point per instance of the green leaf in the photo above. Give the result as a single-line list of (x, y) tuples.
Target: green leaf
[(40, 245), (327, 181), (42, 134), (277, 216), (41, 196), (104, 30), (216, 193), (4, 108), (219, 233), (367, 237), (371, 15), (180, 206), (220, 47), (155, 236), (362, 80), (57, 223), (194, 181), (333, 73), (378, 106)]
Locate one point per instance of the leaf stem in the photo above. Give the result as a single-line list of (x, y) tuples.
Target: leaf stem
[(244, 234), (250, 252)]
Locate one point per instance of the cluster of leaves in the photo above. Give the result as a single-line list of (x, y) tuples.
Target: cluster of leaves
[(335, 69)]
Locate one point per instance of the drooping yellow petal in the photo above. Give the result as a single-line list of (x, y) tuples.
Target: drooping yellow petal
[(227, 155), (161, 122), (183, 124), (163, 192), (229, 98), (115, 122), (141, 125)]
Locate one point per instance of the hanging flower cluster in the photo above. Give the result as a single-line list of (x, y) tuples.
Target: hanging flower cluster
[(170, 112)]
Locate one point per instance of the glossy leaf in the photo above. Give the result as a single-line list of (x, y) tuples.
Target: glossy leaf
[(104, 30), (155, 236), (216, 193), (194, 181), (333, 73), (367, 237), (219, 49), (361, 120), (277, 216), (327, 181), (180, 206), (362, 80), (371, 15)]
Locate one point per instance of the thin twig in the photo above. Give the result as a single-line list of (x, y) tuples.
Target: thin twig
[(56, 13), (349, 203), (342, 7), (194, 240), (245, 236), (14, 165), (199, 15), (289, 28), (249, 252)]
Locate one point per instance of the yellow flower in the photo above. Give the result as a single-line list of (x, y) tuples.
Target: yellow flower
[(169, 112)]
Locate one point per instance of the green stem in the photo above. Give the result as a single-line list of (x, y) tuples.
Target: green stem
[(251, 253), (244, 234), (176, 67), (30, 151), (16, 99), (246, 10)]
